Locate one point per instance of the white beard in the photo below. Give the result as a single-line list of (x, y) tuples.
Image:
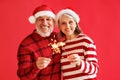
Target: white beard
[(44, 34)]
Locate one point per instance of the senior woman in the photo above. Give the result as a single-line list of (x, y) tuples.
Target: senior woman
[(79, 58)]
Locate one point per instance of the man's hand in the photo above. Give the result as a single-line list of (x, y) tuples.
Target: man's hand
[(42, 62)]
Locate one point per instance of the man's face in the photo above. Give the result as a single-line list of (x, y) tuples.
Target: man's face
[(44, 25)]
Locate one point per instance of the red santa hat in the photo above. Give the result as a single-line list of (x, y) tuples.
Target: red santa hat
[(43, 10), (70, 12)]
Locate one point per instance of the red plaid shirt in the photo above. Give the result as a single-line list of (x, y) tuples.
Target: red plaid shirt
[(29, 50)]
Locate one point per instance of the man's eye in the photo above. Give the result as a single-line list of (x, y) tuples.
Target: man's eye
[(49, 19), (40, 19)]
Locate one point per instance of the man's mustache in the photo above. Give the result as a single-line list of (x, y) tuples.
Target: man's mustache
[(44, 26)]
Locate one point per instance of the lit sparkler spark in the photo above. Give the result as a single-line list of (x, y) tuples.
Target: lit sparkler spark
[(56, 45)]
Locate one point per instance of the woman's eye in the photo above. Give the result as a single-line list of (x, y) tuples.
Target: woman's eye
[(48, 19), (70, 22), (63, 23)]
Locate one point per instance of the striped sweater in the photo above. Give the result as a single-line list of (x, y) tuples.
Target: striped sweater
[(86, 49)]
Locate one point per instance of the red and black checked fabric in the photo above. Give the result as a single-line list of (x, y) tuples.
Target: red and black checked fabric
[(32, 47)]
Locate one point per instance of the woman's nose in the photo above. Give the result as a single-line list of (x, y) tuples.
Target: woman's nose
[(67, 25)]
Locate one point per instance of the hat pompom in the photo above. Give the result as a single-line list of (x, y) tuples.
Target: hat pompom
[(32, 19)]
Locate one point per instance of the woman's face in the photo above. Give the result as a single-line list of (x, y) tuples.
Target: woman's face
[(67, 25)]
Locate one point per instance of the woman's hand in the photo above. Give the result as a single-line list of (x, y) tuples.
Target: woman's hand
[(74, 58)]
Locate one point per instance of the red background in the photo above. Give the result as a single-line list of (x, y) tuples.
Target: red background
[(100, 19)]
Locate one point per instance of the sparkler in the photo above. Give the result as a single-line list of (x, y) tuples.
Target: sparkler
[(56, 45)]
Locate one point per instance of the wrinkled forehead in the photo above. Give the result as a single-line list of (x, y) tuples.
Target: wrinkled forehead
[(45, 17)]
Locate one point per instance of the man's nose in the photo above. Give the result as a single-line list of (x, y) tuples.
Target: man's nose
[(45, 21)]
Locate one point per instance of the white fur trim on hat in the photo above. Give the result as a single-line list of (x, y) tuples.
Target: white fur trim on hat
[(68, 11), (32, 19), (45, 13)]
